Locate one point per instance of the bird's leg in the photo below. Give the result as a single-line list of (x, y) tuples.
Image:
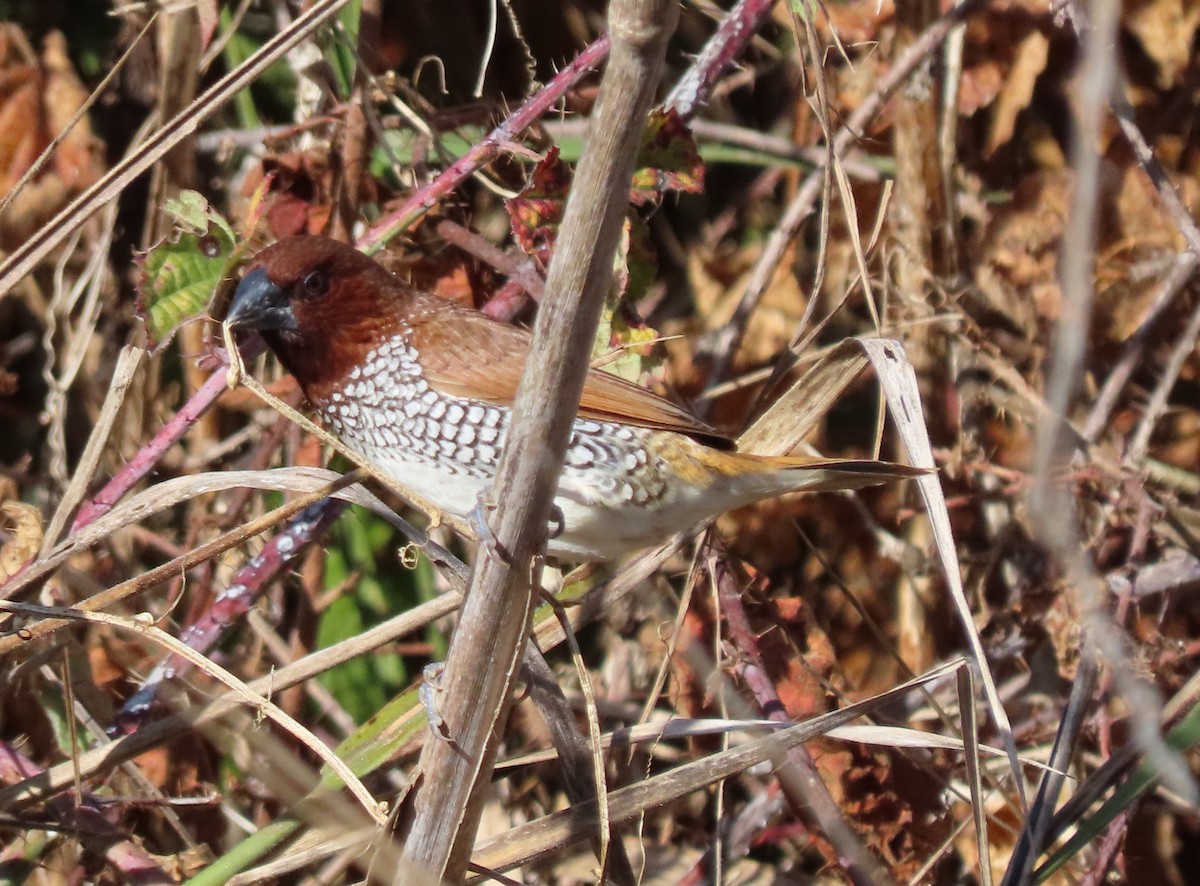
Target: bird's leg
[(234, 373), (487, 538), (428, 694)]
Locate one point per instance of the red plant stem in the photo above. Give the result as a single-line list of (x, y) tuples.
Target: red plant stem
[(508, 302), (148, 456), (231, 604), (486, 149), (738, 28)]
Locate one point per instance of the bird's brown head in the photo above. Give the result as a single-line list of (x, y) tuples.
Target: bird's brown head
[(320, 305)]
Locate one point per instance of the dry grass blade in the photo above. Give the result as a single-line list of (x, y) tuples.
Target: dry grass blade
[(966, 704), (677, 729), (802, 406), (900, 388), (11, 642), (144, 626), (170, 493), (525, 844)]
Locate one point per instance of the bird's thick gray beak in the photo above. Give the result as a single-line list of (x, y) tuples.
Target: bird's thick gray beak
[(259, 304)]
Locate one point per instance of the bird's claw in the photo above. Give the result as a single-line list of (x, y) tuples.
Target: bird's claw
[(428, 694), (487, 538)]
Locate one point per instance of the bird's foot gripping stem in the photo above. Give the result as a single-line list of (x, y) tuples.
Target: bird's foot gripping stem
[(487, 538), (428, 695)]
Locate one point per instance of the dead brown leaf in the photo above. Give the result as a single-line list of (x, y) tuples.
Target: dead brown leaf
[(38, 98)]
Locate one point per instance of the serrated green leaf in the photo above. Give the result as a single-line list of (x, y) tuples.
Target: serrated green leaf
[(179, 276)]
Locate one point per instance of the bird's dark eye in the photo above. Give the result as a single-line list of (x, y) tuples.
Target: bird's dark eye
[(315, 284)]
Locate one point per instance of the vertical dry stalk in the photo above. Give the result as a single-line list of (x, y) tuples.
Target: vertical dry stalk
[(495, 620)]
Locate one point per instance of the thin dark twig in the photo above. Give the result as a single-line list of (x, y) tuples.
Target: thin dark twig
[(575, 762), (1178, 277)]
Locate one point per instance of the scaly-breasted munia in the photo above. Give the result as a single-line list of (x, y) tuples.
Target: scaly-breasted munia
[(423, 388)]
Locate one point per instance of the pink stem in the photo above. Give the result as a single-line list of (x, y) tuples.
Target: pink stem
[(147, 457), (486, 149), (738, 28)]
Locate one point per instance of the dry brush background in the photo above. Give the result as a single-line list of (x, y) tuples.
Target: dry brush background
[(1007, 188)]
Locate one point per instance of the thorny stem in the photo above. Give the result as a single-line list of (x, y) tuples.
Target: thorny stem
[(737, 28), (149, 455), (485, 150), (232, 603)]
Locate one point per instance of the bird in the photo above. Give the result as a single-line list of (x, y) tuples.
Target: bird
[(422, 388)]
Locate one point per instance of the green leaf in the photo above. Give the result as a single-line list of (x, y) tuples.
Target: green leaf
[(177, 278), (352, 683), (394, 726)]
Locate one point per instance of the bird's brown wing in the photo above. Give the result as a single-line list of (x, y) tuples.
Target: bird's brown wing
[(467, 354)]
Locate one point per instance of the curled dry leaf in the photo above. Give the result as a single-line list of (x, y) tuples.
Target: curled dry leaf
[(22, 523)]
